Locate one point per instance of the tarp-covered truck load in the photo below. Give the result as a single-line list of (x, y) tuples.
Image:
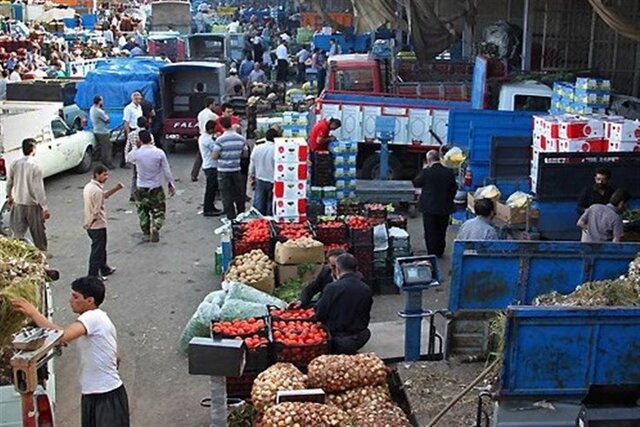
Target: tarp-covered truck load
[(115, 80)]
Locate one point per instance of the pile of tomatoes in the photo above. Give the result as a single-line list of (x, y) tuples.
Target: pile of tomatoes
[(357, 222), (239, 328), (332, 246), (293, 230), (298, 332), (255, 341), (256, 230), (293, 313)]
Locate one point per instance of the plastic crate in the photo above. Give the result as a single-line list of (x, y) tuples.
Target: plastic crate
[(328, 235), (364, 255), (306, 225), (361, 237), (349, 207), (384, 285), (396, 220), (258, 358), (241, 248), (399, 243), (275, 318), (300, 355), (240, 387), (374, 211)]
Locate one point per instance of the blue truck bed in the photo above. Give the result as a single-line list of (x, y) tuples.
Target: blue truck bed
[(561, 352), (490, 275)]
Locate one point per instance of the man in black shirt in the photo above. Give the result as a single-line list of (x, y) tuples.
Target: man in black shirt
[(597, 194), (316, 286), (345, 308)]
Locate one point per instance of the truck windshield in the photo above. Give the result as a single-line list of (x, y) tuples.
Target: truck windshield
[(531, 103), (354, 80)]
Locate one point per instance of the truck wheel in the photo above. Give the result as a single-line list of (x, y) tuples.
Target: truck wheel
[(5, 220), (169, 145), (87, 161), (371, 167)]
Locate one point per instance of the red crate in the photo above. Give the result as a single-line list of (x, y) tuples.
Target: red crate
[(301, 354), (336, 233)]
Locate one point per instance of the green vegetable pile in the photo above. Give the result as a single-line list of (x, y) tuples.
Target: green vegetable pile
[(289, 291)]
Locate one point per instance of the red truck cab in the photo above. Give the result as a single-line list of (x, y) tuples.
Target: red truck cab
[(355, 73)]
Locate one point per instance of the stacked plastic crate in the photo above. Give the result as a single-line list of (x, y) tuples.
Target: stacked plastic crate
[(290, 179), (587, 95), (344, 157), (622, 134), (295, 125)]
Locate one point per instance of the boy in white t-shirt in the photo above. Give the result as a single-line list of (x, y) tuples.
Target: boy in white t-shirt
[(104, 398)]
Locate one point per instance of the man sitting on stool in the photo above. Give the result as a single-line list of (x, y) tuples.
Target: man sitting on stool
[(480, 227), (319, 283), (345, 308)]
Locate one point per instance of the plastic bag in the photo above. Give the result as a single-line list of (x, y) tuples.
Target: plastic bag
[(398, 233), (518, 200), (380, 239), (240, 291), (454, 158), (200, 323), (239, 309), (487, 192)]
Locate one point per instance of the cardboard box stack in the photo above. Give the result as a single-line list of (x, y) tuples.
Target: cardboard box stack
[(296, 263), (290, 179), (586, 96)]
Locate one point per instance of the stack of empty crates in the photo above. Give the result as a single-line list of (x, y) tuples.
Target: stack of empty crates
[(586, 96), (290, 179), (344, 159)]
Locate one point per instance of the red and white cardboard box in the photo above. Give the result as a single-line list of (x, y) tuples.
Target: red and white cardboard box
[(624, 146), (591, 145), (547, 126), (546, 144), (290, 172), (290, 150), (288, 208), (581, 128), (290, 190), (626, 130)]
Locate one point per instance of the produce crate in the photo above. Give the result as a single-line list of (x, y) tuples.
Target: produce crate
[(258, 358), (278, 226), (349, 207), (400, 243), (361, 237), (241, 247), (314, 210), (334, 234), (367, 273), (376, 210), (322, 169), (275, 318), (396, 220), (330, 246), (300, 355), (377, 221), (240, 387)]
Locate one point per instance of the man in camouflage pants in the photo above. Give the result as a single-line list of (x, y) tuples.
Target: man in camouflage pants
[(153, 170)]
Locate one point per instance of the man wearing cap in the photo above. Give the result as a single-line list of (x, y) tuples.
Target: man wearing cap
[(231, 82)]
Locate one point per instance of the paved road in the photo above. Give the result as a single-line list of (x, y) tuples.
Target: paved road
[(151, 296)]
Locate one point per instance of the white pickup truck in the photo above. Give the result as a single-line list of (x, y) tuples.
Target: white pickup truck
[(59, 148)]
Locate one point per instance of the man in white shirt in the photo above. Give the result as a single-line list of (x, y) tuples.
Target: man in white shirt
[(302, 57), (104, 397), (261, 173), (210, 168), (131, 112), (282, 55), (204, 116), (234, 26)]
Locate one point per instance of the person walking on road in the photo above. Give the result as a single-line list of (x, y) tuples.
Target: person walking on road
[(153, 168), (100, 121), (206, 114), (228, 149), (95, 220), (104, 401), (436, 201), (133, 140), (27, 198), (210, 168), (261, 172)]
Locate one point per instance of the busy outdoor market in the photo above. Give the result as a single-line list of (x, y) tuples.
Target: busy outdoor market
[(351, 213)]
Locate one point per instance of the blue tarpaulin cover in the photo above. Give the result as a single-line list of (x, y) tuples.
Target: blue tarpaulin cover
[(115, 80)]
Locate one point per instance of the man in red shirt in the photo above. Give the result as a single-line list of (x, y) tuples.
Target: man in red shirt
[(227, 111), (319, 138)]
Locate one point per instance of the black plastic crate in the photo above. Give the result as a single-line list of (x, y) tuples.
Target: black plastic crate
[(384, 285), (349, 207), (240, 387), (361, 237), (396, 220)]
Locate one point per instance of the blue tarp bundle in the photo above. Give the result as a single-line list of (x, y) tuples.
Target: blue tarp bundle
[(115, 80)]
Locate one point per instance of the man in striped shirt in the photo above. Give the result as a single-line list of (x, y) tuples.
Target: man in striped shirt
[(228, 149)]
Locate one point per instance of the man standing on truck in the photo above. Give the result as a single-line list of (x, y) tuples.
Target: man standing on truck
[(104, 398), (603, 223), (100, 121), (319, 138), (598, 193), (95, 220), (26, 197), (153, 169), (436, 202)]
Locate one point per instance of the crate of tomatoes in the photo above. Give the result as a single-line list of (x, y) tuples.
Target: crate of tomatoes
[(360, 231), (376, 210), (253, 234), (299, 342), (255, 335), (332, 231), (288, 314), (293, 230)]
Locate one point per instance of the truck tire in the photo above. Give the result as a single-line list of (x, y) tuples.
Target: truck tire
[(5, 220), (87, 161), (371, 167)]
